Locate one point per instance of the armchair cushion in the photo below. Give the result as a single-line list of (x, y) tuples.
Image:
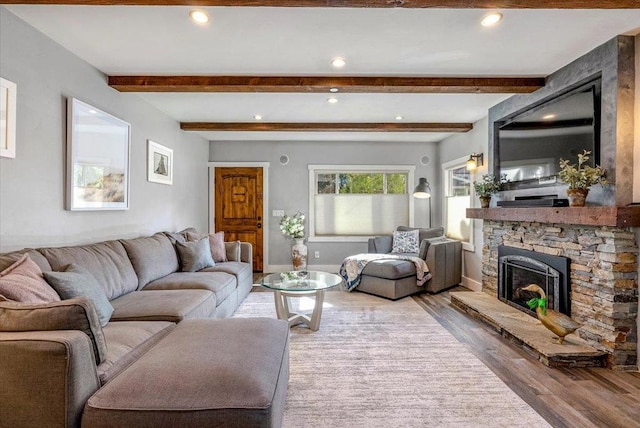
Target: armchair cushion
[(424, 233), (72, 314)]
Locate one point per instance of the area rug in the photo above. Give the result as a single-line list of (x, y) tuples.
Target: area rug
[(378, 363)]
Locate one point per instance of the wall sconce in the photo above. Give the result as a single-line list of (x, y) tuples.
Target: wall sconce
[(475, 160)]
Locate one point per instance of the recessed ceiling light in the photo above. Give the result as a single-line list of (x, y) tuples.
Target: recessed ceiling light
[(199, 16), (92, 111), (491, 19), (399, 117), (338, 62), (548, 116), (332, 100), (333, 90), (257, 116)]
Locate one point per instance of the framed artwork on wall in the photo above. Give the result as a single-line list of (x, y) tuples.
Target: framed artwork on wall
[(8, 98), (98, 146), (159, 163)]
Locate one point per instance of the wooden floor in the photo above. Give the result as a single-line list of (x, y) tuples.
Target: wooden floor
[(564, 397)]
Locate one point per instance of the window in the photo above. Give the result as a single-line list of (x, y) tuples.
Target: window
[(457, 198), (356, 202)]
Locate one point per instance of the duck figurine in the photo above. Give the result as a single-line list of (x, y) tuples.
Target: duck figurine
[(558, 323)]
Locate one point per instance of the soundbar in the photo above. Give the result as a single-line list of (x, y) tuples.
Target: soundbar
[(546, 202)]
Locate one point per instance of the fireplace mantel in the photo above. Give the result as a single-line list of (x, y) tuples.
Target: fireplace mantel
[(587, 216)]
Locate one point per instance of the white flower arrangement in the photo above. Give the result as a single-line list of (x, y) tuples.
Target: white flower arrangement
[(293, 226)]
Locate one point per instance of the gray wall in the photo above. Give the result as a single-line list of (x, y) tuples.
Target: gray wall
[(289, 184), (32, 185), (614, 61), (458, 145)]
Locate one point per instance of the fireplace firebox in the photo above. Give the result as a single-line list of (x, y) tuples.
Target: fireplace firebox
[(518, 268)]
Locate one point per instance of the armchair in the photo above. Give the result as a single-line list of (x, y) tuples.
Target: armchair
[(395, 279)]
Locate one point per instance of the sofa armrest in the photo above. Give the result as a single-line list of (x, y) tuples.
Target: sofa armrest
[(444, 259), (46, 377), (246, 252)]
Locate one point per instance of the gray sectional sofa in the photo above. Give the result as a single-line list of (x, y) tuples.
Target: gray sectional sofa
[(162, 360)]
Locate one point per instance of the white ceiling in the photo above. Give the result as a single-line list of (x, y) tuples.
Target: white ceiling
[(129, 40)]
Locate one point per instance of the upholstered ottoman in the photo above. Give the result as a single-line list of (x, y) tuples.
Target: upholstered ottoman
[(205, 373)]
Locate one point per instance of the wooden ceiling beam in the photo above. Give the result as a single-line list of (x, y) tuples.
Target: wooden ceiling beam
[(322, 84), (410, 4), (325, 127)]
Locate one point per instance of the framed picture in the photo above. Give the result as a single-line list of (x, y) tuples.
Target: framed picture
[(8, 97), (98, 146), (159, 163)]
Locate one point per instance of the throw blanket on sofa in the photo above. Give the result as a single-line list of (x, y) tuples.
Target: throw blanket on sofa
[(352, 266)]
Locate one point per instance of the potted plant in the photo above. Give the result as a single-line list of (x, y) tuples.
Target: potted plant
[(487, 187), (580, 177)]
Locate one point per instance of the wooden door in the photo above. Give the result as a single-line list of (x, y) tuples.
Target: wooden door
[(238, 207)]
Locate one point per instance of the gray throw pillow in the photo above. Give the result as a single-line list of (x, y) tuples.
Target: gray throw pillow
[(76, 281), (195, 255), (424, 233)]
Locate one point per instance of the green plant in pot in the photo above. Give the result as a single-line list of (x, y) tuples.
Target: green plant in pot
[(487, 187), (580, 177)]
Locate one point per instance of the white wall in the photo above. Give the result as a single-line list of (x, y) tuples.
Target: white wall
[(32, 185), (458, 145), (289, 184)]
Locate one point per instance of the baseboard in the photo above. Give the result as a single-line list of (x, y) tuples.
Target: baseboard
[(285, 268), (471, 284)]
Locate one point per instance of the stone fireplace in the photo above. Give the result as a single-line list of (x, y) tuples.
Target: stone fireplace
[(603, 268), (518, 268)]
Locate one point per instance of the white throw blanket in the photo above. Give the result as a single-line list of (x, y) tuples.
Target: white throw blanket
[(352, 266)]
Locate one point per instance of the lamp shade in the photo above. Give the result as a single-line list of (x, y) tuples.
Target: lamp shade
[(422, 190)]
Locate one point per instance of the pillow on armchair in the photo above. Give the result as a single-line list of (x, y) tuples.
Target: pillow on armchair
[(424, 233), (406, 241)]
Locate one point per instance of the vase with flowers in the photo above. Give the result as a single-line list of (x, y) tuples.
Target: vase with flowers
[(580, 178), (293, 227), (487, 187)]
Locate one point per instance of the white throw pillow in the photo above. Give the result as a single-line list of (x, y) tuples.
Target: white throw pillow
[(406, 242)]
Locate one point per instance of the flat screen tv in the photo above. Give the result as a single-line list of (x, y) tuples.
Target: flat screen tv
[(529, 145)]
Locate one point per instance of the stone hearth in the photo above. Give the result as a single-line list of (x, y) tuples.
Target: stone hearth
[(604, 278), (603, 271)]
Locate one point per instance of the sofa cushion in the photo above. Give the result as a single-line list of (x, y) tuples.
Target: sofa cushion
[(152, 257), (72, 314), (8, 259), (233, 251), (164, 305), (424, 233), (175, 237), (127, 341), (23, 282), (390, 269), (106, 261), (220, 283), (77, 282), (194, 255), (230, 373), (405, 242)]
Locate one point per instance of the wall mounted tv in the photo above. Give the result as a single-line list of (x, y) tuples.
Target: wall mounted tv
[(529, 145)]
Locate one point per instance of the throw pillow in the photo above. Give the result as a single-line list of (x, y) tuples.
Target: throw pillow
[(72, 314), (76, 281), (405, 242), (218, 250), (195, 255), (23, 282)]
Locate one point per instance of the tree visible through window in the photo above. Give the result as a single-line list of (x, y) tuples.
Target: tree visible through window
[(358, 202)]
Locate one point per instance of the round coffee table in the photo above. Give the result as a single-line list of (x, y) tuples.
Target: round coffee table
[(298, 284)]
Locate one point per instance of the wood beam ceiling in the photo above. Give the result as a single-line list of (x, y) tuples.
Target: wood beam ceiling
[(411, 4), (325, 127), (322, 84)]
